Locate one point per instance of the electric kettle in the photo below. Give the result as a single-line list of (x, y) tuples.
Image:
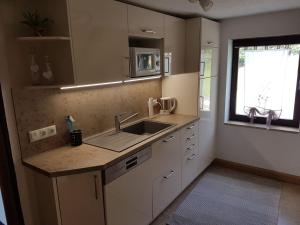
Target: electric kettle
[(168, 105)]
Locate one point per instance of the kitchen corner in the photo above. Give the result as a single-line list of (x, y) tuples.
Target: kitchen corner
[(70, 160)]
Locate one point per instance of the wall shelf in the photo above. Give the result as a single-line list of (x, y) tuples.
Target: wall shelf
[(46, 38)]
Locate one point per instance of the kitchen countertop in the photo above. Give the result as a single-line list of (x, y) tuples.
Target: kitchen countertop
[(70, 160)]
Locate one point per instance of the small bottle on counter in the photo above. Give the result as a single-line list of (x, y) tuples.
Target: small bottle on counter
[(75, 134)]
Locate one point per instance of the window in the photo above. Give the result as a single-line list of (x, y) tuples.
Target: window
[(265, 78)]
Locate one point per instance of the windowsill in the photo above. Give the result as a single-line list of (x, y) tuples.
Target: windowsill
[(262, 126)]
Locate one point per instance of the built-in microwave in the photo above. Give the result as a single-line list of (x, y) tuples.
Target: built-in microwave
[(144, 62)]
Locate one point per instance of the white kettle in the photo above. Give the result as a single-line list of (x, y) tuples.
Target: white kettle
[(168, 105)]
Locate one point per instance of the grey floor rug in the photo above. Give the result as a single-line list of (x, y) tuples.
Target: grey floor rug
[(227, 197)]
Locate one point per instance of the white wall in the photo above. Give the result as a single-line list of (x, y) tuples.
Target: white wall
[(273, 150), (176, 86)]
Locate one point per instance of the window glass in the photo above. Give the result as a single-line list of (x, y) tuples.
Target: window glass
[(265, 85), (267, 78)]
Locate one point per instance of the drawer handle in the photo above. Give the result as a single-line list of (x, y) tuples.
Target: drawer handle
[(191, 137), (169, 139), (148, 31), (211, 43), (192, 157), (188, 149), (191, 127), (96, 186), (169, 175)]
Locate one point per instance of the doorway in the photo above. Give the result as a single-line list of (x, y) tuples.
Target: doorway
[(10, 207)]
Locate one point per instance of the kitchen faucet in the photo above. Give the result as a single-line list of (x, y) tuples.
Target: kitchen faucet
[(118, 120)]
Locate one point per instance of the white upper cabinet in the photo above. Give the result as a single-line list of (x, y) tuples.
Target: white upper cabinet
[(200, 33), (145, 23), (193, 45), (100, 40), (210, 33), (174, 45)]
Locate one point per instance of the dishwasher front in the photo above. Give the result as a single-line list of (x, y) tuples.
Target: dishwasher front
[(128, 190)]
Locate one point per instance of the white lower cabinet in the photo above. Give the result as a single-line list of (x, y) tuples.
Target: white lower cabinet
[(135, 197), (70, 200), (166, 172), (165, 189), (190, 169), (190, 154), (81, 199)]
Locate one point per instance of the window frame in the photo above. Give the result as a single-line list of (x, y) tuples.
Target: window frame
[(265, 41)]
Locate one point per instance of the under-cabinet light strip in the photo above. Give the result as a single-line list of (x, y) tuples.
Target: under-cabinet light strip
[(142, 79), (110, 83), (91, 85)]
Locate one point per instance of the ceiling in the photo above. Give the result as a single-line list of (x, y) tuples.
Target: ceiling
[(222, 8)]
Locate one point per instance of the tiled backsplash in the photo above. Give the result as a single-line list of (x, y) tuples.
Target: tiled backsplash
[(93, 110)]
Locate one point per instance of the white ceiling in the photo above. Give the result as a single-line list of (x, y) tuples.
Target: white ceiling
[(222, 8)]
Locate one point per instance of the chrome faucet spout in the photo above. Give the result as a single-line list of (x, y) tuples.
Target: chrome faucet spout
[(118, 120)]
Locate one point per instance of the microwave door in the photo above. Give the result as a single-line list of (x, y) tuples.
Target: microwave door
[(145, 61), (145, 64)]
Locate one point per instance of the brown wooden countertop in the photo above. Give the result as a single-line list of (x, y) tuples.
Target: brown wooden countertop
[(69, 160)]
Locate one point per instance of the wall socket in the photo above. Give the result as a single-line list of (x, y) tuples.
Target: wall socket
[(42, 133)]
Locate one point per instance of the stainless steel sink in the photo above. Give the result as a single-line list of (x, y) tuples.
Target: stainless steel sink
[(146, 127), (128, 137)]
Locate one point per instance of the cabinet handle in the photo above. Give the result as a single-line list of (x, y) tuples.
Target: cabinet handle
[(96, 186), (192, 157), (169, 139), (190, 138), (201, 102), (169, 175), (190, 148), (128, 58), (191, 127), (148, 31), (211, 43)]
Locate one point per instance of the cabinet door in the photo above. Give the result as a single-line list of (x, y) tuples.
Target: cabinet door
[(145, 23), (190, 153), (166, 154), (193, 45), (80, 199), (208, 80), (207, 124), (190, 167), (210, 33), (100, 40), (166, 171), (174, 45), (165, 189)]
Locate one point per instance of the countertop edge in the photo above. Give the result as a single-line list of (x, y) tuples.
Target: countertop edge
[(102, 167)]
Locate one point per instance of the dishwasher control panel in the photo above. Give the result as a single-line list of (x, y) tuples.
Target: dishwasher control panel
[(117, 170)]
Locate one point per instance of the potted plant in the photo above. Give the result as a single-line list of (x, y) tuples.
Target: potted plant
[(36, 23)]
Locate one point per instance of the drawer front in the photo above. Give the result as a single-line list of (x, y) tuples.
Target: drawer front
[(190, 130), (190, 168), (190, 149), (165, 189), (143, 22), (166, 154), (191, 140)]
